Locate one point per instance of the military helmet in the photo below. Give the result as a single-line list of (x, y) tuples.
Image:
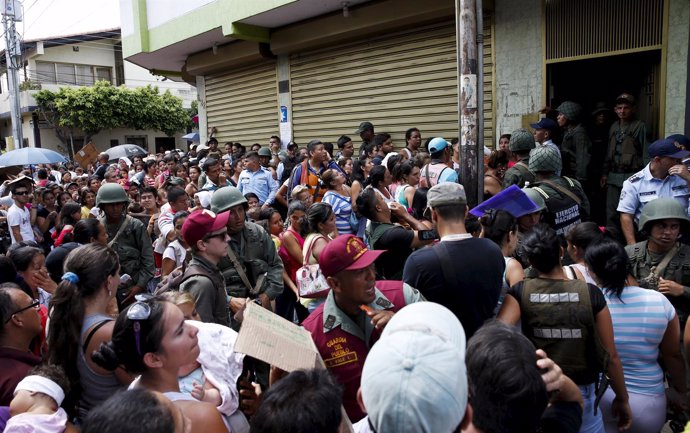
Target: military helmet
[(111, 193), (571, 110), (545, 158), (226, 197), (537, 198), (521, 140), (264, 151), (661, 209)]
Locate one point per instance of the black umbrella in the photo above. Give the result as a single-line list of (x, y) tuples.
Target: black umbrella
[(125, 151)]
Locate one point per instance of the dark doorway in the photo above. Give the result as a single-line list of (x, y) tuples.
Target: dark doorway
[(164, 143), (602, 79)]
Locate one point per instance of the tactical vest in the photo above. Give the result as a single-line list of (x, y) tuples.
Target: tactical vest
[(252, 265), (562, 212), (431, 173), (557, 317), (628, 149), (677, 270)]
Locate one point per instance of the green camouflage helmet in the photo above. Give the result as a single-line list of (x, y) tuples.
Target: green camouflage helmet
[(661, 209), (521, 140), (111, 193), (545, 158), (537, 198), (226, 197)]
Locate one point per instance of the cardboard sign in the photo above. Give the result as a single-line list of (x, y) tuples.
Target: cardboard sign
[(86, 155), (276, 341)]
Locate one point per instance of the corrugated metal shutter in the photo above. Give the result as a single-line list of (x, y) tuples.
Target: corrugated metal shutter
[(243, 104), (396, 82)]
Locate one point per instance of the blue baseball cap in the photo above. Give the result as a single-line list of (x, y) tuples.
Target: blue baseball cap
[(545, 123), (680, 138), (437, 144), (668, 148)]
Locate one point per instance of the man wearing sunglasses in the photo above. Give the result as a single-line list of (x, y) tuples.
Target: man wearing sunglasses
[(20, 324), (207, 236), (18, 216)]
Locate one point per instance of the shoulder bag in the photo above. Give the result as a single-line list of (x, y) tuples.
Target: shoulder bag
[(310, 281)]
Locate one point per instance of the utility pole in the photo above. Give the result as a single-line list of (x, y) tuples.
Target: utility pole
[(12, 12), (470, 98)]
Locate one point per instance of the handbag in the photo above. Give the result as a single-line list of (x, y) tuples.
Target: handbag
[(310, 281)]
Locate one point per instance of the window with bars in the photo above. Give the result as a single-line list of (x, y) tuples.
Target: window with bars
[(68, 73)]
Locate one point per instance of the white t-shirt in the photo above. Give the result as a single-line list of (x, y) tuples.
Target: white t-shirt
[(175, 252), (22, 218)]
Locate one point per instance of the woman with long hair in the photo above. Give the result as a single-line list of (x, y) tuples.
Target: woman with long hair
[(579, 238), (321, 223), (80, 323), (69, 215), (646, 324), (338, 196), (87, 198), (569, 320), (151, 339), (192, 187), (380, 179), (290, 252), (407, 174), (501, 227), (496, 167)]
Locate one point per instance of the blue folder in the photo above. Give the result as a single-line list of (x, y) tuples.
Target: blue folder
[(512, 200)]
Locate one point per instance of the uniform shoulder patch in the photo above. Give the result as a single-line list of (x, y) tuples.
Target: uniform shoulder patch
[(385, 303), (634, 178), (330, 321)]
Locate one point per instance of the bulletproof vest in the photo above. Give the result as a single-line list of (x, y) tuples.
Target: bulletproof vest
[(677, 270), (431, 173), (562, 212), (625, 151), (557, 317), (252, 266)]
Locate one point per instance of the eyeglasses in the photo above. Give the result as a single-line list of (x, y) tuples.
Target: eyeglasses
[(20, 193), (140, 310), (35, 304)]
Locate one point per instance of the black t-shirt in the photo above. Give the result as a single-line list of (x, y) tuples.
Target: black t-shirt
[(396, 241), (561, 417), (476, 268), (596, 297)]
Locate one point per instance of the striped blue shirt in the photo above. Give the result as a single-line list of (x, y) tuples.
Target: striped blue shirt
[(640, 319), (342, 208)]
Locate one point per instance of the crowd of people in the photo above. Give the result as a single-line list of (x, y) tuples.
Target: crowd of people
[(124, 285)]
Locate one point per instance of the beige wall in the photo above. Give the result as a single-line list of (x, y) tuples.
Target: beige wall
[(519, 57), (677, 66)]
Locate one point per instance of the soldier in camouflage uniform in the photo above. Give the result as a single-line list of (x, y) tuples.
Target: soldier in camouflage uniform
[(521, 142), (576, 145), (130, 240), (566, 202), (254, 251), (661, 262)]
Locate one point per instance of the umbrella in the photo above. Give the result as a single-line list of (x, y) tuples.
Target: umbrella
[(30, 156), (192, 136), (125, 151)]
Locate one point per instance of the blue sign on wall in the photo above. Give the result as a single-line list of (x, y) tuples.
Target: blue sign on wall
[(283, 114)]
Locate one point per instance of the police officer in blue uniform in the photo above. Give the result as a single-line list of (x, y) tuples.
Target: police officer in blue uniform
[(664, 176)]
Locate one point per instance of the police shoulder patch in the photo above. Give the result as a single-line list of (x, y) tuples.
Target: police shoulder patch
[(634, 178)]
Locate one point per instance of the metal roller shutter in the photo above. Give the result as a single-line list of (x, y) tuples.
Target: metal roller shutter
[(243, 104), (396, 82)]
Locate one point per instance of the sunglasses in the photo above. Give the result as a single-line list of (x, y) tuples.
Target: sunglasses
[(35, 304), (217, 235), (140, 310), (20, 193)]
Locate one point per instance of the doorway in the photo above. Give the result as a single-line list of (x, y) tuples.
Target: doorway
[(597, 79)]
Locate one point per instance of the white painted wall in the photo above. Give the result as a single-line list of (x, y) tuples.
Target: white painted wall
[(519, 56), (136, 76), (98, 53)]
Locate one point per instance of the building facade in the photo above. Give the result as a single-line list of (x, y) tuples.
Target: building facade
[(81, 60), (307, 69)]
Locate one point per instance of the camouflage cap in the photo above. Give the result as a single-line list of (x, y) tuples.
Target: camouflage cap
[(570, 109), (521, 140), (545, 158)]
